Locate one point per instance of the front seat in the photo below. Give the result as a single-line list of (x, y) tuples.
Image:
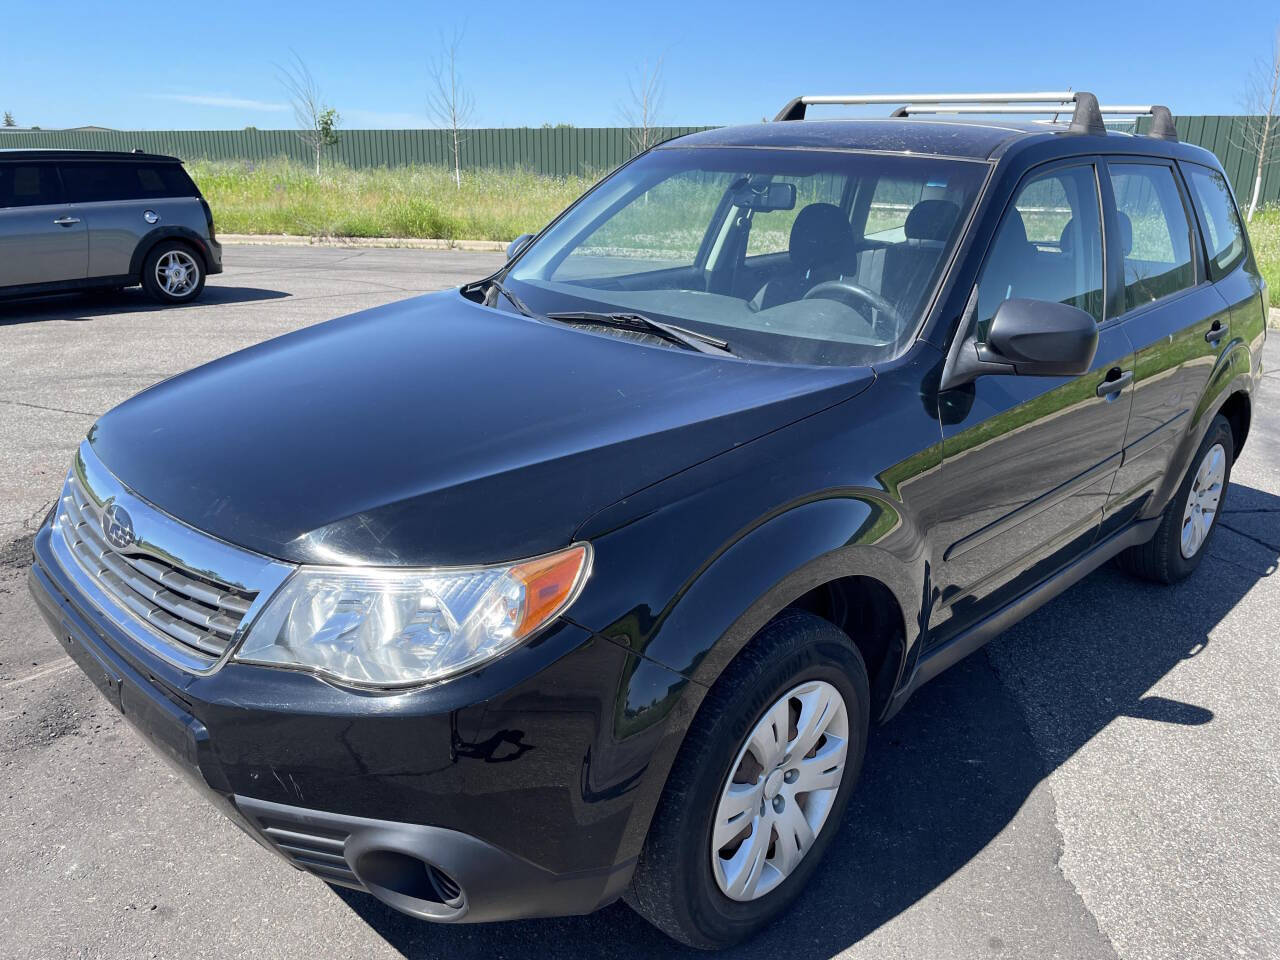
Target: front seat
[(820, 248), (908, 264)]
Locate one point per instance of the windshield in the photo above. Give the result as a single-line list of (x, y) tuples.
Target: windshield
[(796, 256)]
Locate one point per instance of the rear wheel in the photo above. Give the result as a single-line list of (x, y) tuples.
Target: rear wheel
[(759, 787), (173, 273), (1188, 522)]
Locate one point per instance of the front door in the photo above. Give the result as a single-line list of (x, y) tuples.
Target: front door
[(1028, 462), (41, 239)]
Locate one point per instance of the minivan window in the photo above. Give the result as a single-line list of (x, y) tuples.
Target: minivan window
[(28, 184), (668, 236), (1048, 246), (1223, 234), (1154, 234), (95, 182)]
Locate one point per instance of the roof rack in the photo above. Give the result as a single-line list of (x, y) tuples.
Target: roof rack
[(1086, 113)]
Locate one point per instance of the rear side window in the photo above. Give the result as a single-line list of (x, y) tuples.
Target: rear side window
[(1223, 234), (1048, 246), (95, 182), (1154, 233), (28, 184)]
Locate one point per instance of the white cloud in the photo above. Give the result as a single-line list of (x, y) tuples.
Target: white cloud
[(214, 100)]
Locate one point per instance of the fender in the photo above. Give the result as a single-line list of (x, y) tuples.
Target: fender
[(710, 555), (152, 237), (717, 610)]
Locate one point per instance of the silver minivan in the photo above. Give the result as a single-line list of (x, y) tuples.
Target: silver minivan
[(83, 219)]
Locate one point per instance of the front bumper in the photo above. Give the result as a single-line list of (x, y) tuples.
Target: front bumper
[(513, 792)]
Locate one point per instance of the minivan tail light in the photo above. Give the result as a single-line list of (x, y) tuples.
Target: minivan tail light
[(208, 216)]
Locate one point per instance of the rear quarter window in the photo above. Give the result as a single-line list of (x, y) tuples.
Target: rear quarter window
[(1223, 233), (96, 182)]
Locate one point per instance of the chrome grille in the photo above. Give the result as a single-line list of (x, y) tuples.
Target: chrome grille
[(198, 613), (165, 586)]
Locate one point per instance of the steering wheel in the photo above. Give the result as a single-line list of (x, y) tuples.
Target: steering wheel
[(854, 295)]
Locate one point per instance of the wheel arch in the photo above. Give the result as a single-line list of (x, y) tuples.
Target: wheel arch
[(847, 558), (153, 238)]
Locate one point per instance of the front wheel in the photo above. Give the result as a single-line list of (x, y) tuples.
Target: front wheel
[(173, 273), (1181, 540), (759, 787)]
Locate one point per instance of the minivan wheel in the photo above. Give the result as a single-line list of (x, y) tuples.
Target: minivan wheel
[(173, 273), (1188, 522), (759, 787)]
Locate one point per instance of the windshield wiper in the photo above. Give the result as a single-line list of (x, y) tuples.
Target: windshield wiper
[(692, 339), (496, 284)]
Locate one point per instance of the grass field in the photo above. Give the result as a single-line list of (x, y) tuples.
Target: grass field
[(1265, 234), (279, 197)]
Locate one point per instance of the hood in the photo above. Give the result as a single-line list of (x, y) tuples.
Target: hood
[(438, 431)]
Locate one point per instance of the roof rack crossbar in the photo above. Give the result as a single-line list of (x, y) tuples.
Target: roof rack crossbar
[(1086, 118)]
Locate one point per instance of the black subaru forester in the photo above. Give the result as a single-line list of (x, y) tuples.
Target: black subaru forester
[(585, 581)]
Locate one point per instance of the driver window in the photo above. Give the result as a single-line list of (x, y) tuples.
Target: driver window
[(1048, 247)]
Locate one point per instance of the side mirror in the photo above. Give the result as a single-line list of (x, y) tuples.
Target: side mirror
[(518, 244), (1041, 339)]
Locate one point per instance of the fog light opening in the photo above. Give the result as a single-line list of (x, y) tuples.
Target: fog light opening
[(409, 884)]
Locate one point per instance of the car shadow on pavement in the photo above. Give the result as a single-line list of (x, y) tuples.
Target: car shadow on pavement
[(95, 305), (946, 776)]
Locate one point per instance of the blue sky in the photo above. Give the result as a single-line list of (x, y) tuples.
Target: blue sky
[(210, 66)]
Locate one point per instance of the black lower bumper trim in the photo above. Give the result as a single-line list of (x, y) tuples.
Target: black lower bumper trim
[(429, 872)]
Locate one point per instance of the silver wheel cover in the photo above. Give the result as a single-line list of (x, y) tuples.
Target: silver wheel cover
[(780, 790), (1202, 500), (177, 273)]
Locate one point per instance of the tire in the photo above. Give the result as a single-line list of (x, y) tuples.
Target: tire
[(676, 885), (1164, 558), (158, 273)]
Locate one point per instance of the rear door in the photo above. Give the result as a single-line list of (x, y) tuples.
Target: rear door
[(1028, 462), (1175, 319), (42, 240), (123, 200)]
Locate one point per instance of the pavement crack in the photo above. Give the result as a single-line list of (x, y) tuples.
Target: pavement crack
[(1248, 536), (1048, 765), (40, 406)]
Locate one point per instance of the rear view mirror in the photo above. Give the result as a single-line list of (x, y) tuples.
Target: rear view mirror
[(766, 196), (1039, 338), (518, 244)]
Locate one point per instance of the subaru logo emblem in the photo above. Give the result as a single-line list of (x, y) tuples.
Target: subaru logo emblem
[(117, 526)]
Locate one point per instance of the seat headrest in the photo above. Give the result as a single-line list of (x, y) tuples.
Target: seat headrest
[(931, 220), (1126, 232), (821, 234), (1067, 240)]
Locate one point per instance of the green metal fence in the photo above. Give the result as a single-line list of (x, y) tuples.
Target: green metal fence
[(1224, 135), (558, 152), (553, 151)]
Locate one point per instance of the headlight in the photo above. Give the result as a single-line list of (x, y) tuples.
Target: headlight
[(388, 627)]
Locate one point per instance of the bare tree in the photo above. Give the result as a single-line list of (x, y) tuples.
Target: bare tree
[(645, 91), (449, 103), (8, 119), (1260, 130), (318, 122)]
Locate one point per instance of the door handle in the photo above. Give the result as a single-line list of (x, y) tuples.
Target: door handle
[(1216, 332), (1116, 381), (67, 221)]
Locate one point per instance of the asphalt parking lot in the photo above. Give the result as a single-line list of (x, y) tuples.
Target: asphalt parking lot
[(1101, 781)]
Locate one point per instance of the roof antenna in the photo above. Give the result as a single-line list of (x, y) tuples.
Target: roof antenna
[(1162, 127), (1087, 118)]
